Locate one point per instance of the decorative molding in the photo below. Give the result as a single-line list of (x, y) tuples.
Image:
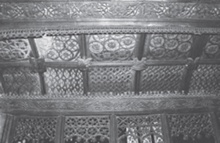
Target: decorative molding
[(64, 30)]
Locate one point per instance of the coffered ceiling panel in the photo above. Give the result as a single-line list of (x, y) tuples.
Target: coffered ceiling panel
[(112, 47), (110, 79), (206, 79), (212, 48), (20, 81), (59, 48), (64, 81), (14, 50), (168, 46), (162, 78)]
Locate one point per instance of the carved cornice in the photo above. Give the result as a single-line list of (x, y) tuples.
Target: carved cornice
[(59, 11), (35, 19)]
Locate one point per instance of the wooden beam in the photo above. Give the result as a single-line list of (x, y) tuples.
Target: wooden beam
[(83, 47), (113, 129), (199, 42), (139, 54), (60, 129), (8, 132), (2, 80), (216, 127), (40, 71), (166, 129), (33, 48)]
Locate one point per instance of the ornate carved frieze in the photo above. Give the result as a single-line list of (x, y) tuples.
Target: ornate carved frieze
[(59, 11), (69, 17)]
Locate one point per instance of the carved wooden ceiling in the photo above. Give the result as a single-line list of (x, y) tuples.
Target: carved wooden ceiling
[(101, 49)]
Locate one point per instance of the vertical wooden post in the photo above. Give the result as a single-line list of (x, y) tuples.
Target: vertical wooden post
[(7, 135), (60, 130), (83, 51), (138, 54), (216, 127), (40, 71), (2, 80), (113, 129), (166, 129), (199, 42)]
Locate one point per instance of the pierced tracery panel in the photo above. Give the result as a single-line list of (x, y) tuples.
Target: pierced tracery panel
[(14, 50), (212, 48), (110, 79), (168, 46), (112, 46), (35, 130), (206, 78), (191, 128), (59, 48), (140, 129), (161, 78), (21, 81), (63, 81), (87, 129)]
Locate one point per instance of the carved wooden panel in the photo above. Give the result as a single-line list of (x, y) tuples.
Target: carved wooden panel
[(59, 48), (191, 128), (161, 78), (110, 79), (168, 46), (206, 79), (112, 46), (212, 48), (35, 130), (21, 81), (14, 50), (87, 129), (139, 129), (64, 81)]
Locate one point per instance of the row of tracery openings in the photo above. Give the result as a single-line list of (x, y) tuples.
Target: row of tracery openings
[(182, 128)]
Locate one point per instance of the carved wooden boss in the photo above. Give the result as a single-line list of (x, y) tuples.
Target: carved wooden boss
[(107, 71)]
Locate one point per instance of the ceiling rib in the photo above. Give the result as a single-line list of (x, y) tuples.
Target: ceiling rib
[(139, 55), (199, 42), (38, 65), (83, 47)]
